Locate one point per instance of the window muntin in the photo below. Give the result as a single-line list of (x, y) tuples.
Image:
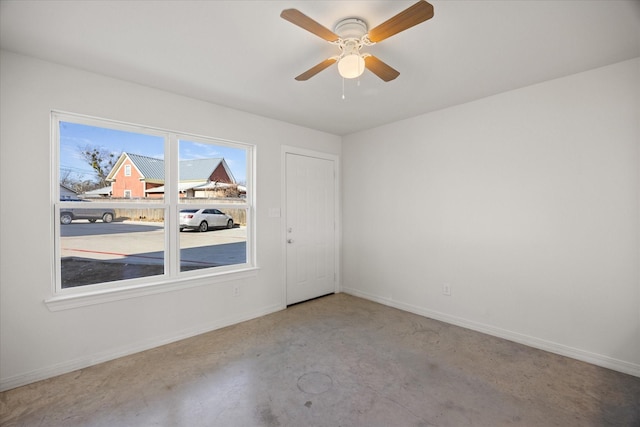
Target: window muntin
[(138, 246)]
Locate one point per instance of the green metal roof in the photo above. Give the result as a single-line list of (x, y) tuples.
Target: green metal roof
[(190, 170)]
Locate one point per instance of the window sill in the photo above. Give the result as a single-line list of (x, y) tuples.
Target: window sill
[(70, 301)]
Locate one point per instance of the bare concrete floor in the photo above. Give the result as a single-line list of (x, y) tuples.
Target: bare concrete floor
[(335, 361)]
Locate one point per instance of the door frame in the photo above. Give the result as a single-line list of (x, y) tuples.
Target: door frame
[(286, 149)]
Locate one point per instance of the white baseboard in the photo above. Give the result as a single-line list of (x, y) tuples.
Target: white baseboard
[(552, 347), (94, 359)]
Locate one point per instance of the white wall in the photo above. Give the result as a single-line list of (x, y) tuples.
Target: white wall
[(526, 203), (36, 343)]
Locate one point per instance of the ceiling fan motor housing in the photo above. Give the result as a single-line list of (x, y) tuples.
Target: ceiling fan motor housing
[(352, 33), (351, 28)]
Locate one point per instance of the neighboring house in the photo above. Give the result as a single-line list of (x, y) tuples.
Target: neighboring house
[(137, 176), (67, 193), (98, 193)]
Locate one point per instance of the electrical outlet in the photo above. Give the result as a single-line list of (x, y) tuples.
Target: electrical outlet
[(446, 289), (236, 291)]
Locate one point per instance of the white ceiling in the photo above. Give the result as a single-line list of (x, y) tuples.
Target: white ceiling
[(241, 54)]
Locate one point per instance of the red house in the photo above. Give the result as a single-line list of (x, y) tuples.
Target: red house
[(136, 176)]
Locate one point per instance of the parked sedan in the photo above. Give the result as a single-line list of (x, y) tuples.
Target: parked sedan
[(203, 219)]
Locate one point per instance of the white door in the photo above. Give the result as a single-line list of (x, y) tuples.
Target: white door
[(310, 227)]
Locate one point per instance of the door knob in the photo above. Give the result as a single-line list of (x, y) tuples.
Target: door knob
[(290, 241)]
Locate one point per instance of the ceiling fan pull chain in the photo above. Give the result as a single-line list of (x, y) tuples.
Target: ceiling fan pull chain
[(343, 97)]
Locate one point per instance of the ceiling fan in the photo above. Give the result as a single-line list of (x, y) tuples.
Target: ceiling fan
[(351, 35)]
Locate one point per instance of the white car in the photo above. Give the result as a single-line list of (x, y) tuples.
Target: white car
[(203, 219)]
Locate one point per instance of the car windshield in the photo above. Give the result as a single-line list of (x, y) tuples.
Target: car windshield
[(189, 210)]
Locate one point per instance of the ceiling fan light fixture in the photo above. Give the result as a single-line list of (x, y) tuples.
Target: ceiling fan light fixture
[(351, 66)]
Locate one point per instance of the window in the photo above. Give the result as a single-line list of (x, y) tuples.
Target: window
[(182, 212)]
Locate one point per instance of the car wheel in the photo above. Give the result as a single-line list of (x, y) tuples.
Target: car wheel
[(107, 217), (66, 218), (203, 227), (181, 229), (230, 223), (92, 221)]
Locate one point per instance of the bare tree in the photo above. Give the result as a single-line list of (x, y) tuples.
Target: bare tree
[(66, 177), (101, 160), (84, 186)]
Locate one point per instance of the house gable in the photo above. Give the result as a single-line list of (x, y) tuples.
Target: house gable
[(227, 172), (132, 186)]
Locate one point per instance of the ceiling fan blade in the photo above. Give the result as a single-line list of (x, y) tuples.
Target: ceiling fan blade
[(380, 69), (316, 69), (303, 21), (404, 20)]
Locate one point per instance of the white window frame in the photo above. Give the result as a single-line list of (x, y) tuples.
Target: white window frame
[(127, 194), (127, 170), (173, 278)]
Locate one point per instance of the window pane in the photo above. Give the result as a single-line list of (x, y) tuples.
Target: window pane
[(94, 162), (212, 238), (211, 172), (113, 242), (94, 250)]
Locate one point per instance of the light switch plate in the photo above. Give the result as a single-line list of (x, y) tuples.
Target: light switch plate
[(274, 212)]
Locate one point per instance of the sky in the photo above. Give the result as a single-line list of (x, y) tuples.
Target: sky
[(75, 137)]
